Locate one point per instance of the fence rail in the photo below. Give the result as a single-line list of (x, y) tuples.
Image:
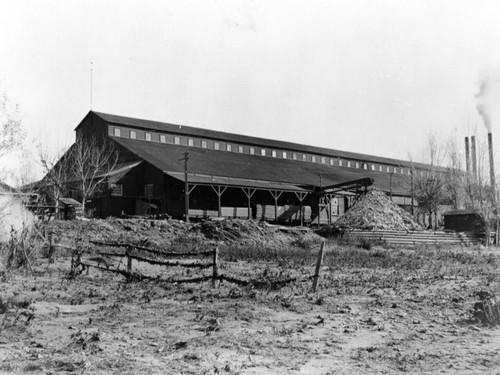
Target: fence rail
[(84, 260)]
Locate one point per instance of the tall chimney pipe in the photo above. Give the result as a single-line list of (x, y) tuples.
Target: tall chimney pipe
[(492, 167), (473, 156), (467, 155)]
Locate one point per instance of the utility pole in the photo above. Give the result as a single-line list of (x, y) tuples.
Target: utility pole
[(186, 185), (412, 193), (390, 179)]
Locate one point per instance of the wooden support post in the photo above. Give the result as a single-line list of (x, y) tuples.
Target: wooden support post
[(186, 185), (319, 264), (301, 196), (249, 193), (329, 209), (249, 207), (276, 194), (215, 273), (301, 214), (219, 191)]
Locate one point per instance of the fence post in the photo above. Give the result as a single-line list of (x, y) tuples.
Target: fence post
[(129, 261), (72, 262), (51, 246), (215, 274), (319, 264)]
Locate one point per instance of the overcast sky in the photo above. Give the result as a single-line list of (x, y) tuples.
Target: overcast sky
[(366, 76)]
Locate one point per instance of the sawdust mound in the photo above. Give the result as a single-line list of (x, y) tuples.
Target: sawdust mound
[(376, 211)]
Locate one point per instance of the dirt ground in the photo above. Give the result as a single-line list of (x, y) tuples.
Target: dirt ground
[(377, 311)]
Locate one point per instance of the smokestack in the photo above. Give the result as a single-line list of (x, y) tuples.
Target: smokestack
[(473, 156), (492, 167), (467, 155)]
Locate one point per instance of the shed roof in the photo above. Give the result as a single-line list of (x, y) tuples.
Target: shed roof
[(69, 201), (195, 178), (237, 138), (237, 166)]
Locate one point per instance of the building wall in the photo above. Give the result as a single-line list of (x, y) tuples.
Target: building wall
[(92, 126)]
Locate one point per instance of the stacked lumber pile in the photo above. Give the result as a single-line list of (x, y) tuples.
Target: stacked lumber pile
[(375, 211)]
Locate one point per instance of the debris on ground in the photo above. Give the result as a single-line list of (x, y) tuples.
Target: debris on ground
[(158, 233), (487, 310), (375, 211)]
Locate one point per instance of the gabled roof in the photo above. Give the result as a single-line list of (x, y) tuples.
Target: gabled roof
[(243, 139), (221, 164)]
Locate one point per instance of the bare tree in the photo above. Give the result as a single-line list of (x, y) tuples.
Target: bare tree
[(455, 175), (91, 160), (56, 169), (10, 125), (428, 184)]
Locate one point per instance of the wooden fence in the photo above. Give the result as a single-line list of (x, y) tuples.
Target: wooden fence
[(84, 260)]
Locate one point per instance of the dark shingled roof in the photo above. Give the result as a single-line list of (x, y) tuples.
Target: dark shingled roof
[(243, 139), (252, 167)]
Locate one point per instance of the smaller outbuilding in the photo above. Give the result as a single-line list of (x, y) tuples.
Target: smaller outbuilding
[(463, 221), (69, 208)]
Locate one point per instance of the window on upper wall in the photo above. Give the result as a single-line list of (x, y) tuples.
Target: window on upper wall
[(148, 136), (294, 156), (177, 140), (133, 134), (323, 160), (373, 167), (313, 158), (203, 144), (117, 132), (304, 157), (116, 190), (148, 190), (402, 171), (388, 169), (331, 161), (284, 155), (273, 153), (240, 149), (365, 166), (357, 165), (380, 168), (349, 164), (252, 151), (263, 152), (163, 138), (340, 162), (409, 171), (228, 147), (190, 142), (216, 145)]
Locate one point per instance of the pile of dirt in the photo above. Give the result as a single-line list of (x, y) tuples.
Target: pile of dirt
[(158, 233), (376, 211), (142, 232)]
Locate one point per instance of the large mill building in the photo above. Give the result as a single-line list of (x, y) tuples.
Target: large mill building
[(233, 175)]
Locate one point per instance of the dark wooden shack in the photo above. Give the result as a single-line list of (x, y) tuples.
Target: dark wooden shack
[(463, 221)]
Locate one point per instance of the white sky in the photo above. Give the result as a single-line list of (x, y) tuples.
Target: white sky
[(366, 76)]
